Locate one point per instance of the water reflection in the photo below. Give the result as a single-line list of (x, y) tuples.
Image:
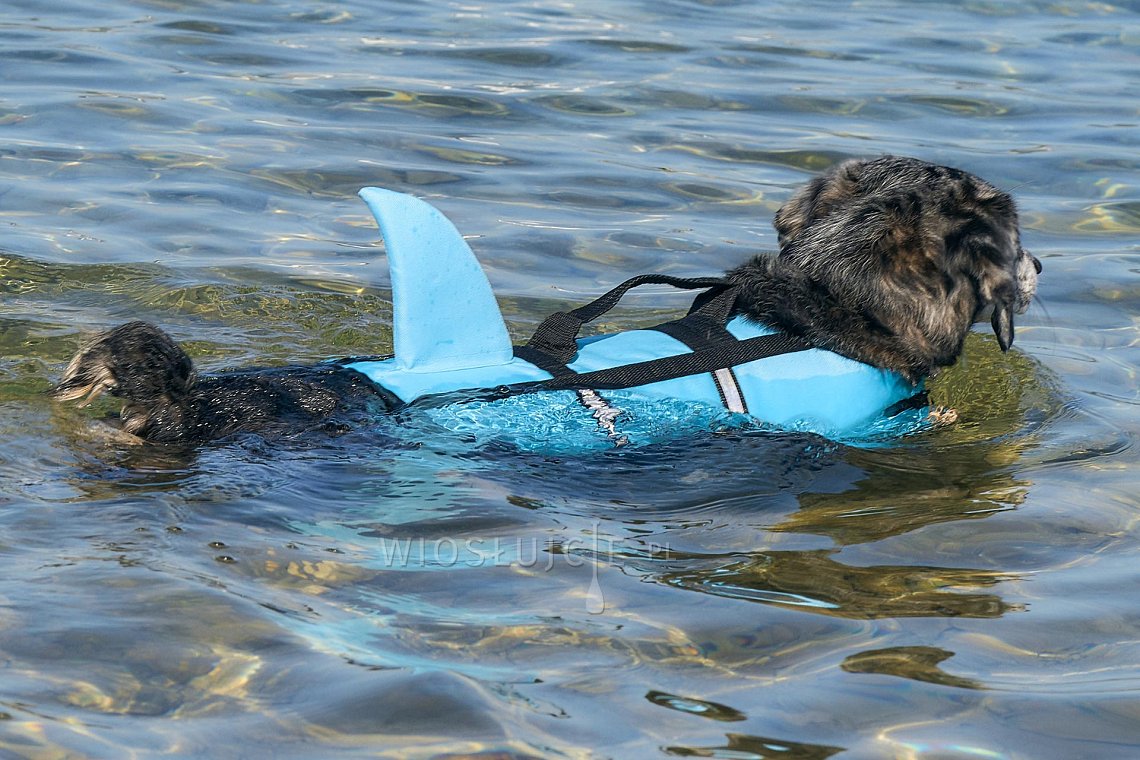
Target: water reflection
[(746, 747), (917, 663), (817, 582), (890, 502), (703, 708), (857, 496)]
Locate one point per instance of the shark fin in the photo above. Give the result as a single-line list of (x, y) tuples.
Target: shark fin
[(445, 315)]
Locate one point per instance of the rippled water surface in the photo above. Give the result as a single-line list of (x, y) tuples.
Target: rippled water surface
[(969, 592)]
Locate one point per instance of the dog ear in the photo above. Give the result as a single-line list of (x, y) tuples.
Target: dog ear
[(1002, 322), (997, 288), (819, 198), (990, 239), (797, 211)]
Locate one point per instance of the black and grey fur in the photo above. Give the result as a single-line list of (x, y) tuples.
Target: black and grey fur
[(886, 261), (164, 400), (889, 261)]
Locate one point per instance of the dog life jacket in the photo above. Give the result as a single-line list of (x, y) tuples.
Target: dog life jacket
[(453, 357)]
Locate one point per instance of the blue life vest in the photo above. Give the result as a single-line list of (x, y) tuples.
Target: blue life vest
[(560, 392)]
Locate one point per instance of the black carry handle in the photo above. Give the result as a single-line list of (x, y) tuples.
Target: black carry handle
[(557, 335)]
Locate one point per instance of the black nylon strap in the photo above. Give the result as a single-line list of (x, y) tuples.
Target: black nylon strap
[(555, 339), (707, 319), (543, 360), (709, 359), (703, 330), (631, 375), (557, 335), (607, 301), (716, 303), (917, 401), (597, 405), (698, 332)]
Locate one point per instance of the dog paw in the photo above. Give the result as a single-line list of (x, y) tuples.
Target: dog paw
[(105, 432), (942, 416)]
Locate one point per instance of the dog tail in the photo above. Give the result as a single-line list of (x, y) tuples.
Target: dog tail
[(136, 362)]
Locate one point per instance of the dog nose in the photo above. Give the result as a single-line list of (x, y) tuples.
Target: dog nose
[(1036, 264)]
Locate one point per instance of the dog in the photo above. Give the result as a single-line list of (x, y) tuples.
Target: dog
[(887, 261)]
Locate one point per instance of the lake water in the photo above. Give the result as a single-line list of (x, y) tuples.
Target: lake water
[(970, 592)]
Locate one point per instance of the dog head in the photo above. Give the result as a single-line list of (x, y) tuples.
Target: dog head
[(920, 251), (136, 362)]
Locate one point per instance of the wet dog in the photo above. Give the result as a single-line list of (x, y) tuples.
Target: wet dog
[(889, 262), (165, 401), (886, 261)]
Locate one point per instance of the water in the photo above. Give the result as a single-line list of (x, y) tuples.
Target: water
[(968, 593)]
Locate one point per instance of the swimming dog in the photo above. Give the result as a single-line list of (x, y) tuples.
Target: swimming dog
[(886, 261)]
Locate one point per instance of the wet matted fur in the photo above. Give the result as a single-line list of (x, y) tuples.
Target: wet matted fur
[(165, 401), (887, 261)]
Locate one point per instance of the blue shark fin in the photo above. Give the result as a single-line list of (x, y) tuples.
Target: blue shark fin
[(445, 316)]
